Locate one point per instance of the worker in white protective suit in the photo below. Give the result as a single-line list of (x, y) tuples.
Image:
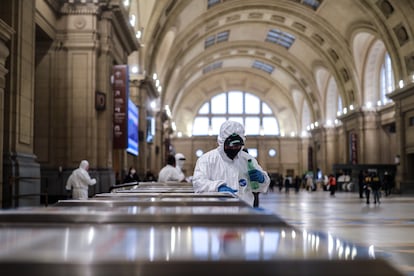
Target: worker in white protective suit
[(169, 172), (79, 181), (225, 168), (179, 164)]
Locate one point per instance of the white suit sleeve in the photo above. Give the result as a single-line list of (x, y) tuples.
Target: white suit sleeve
[(202, 177), (86, 179), (69, 182)]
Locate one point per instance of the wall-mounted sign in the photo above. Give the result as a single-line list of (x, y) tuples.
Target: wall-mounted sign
[(120, 88), (353, 148)]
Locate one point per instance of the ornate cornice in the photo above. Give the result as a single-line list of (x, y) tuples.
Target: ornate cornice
[(81, 7), (402, 93)]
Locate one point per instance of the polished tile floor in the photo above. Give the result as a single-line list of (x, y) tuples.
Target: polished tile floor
[(388, 226)]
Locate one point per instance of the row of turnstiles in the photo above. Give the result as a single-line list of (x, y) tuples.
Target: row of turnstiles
[(152, 228)]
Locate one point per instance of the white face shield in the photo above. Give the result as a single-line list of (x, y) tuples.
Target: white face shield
[(180, 164), (179, 160)]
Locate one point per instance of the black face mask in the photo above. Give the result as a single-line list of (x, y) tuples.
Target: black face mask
[(232, 145)]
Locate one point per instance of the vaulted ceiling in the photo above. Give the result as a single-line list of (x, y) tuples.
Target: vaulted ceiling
[(329, 51)]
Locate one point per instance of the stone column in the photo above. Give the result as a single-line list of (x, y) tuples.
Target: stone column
[(18, 152), (5, 35)]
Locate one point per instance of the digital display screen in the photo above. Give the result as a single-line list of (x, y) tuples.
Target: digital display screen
[(133, 118)]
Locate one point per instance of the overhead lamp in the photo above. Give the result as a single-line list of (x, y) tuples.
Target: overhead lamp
[(134, 69), (132, 20)]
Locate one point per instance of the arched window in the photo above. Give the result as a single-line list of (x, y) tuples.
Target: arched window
[(333, 100), (386, 79), (243, 107)]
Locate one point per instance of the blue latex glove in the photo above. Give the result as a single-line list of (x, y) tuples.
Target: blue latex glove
[(256, 175), (225, 188)]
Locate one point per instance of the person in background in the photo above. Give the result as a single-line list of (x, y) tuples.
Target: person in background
[(169, 172), (332, 184), (149, 176), (132, 176), (79, 181), (179, 164), (376, 187), (367, 186), (225, 168)]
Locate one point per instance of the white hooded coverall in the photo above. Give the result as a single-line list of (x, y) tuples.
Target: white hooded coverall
[(79, 181), (215, 168), (169, 173), (179, 161)]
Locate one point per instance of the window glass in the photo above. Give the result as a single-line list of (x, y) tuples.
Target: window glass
[(270, 126), (252, 125), (245, 108), (252, 104), (209, 41), (386, 79), (200, 126), (235, 102), (272, 152), (282, 38), (339, 104), (219, 104), (216, 123), (223, 36), (199, 152), (266, 109), (252, 152), (237, 119), (204, 109)]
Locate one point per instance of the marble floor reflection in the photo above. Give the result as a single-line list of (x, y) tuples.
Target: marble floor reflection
[(388, 227)]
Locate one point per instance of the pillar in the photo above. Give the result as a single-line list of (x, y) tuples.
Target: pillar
[(5, 35)]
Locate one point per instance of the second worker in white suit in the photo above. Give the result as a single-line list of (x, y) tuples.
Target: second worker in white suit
[(79, 181), (225, 168)]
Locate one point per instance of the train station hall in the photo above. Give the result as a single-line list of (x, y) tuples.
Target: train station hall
[(208, 137)]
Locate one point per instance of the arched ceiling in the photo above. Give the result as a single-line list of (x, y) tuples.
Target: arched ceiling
[(174, 38)]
